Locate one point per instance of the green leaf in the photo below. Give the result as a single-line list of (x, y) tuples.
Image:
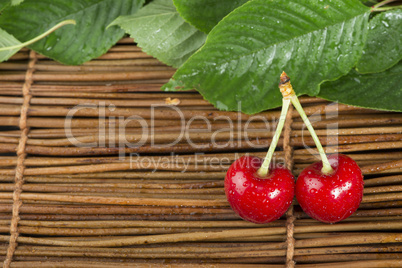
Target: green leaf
[(69, 45), (160, 31), (381, 91), (9, 45), (205, 14), (244, 55), (7, 40), (384, 43)]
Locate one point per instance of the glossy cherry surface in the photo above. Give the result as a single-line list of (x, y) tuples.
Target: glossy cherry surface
[(333, 197), (258, 199)]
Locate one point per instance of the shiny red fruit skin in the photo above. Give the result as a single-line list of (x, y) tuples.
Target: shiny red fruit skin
[(256, 199), (334, 197)]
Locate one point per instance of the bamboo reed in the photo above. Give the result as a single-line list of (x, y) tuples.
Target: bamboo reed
[(201, 158), (60, 133), (361, 264), (201, 236), (124, 55), (204, 254)]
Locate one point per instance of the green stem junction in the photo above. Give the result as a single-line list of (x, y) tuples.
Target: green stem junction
[(290, 96)]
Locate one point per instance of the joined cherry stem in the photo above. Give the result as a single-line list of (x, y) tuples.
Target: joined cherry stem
[(290, 96)]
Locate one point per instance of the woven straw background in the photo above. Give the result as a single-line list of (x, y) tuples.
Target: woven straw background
[(63, 205)]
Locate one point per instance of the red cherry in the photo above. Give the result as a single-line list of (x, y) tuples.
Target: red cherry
[(333, 197), (258, 199)]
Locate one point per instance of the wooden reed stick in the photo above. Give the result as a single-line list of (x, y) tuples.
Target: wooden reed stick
[(377, 212), (349, 240), (15, 66), (192, 248), (145, 113), (112, 210), (383, 180), (148, 164), (196, 236), (120, 200), (150, 224), (117, 95), (142, 217), (105, 102), (124, 55), (353, 148), (126, 40), (165, 175), (182, 148), (57, 133), (375, 168), (362, 264), (113, 189), (383, 189), (200, 236), (44, 150), (168, 138), (381, 197), (132, 86), (200, 158), (107, 263), (196, 248), (101, 76), (21, 55), (372, 120), (205, 253), (174, 185)]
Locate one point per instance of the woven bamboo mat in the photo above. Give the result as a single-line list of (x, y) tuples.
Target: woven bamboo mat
[(99, 168)]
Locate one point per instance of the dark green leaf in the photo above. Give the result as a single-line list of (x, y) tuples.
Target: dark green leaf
[(244, 55), (384, 43), (160, 31), (70, 45), (205, 14), (381, 91)]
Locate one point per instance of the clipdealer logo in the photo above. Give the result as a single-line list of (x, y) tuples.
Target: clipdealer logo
[(122, 129)]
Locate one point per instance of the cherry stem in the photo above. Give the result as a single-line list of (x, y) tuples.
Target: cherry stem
[(378, 7), (382, 3), (288, 93), (385, 8), (263, 170), (326, 167)]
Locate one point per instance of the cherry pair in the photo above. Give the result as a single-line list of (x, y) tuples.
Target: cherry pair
[(329, 191)]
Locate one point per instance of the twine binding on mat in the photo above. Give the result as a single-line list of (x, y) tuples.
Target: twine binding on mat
[(21, 155), (290, 218)]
